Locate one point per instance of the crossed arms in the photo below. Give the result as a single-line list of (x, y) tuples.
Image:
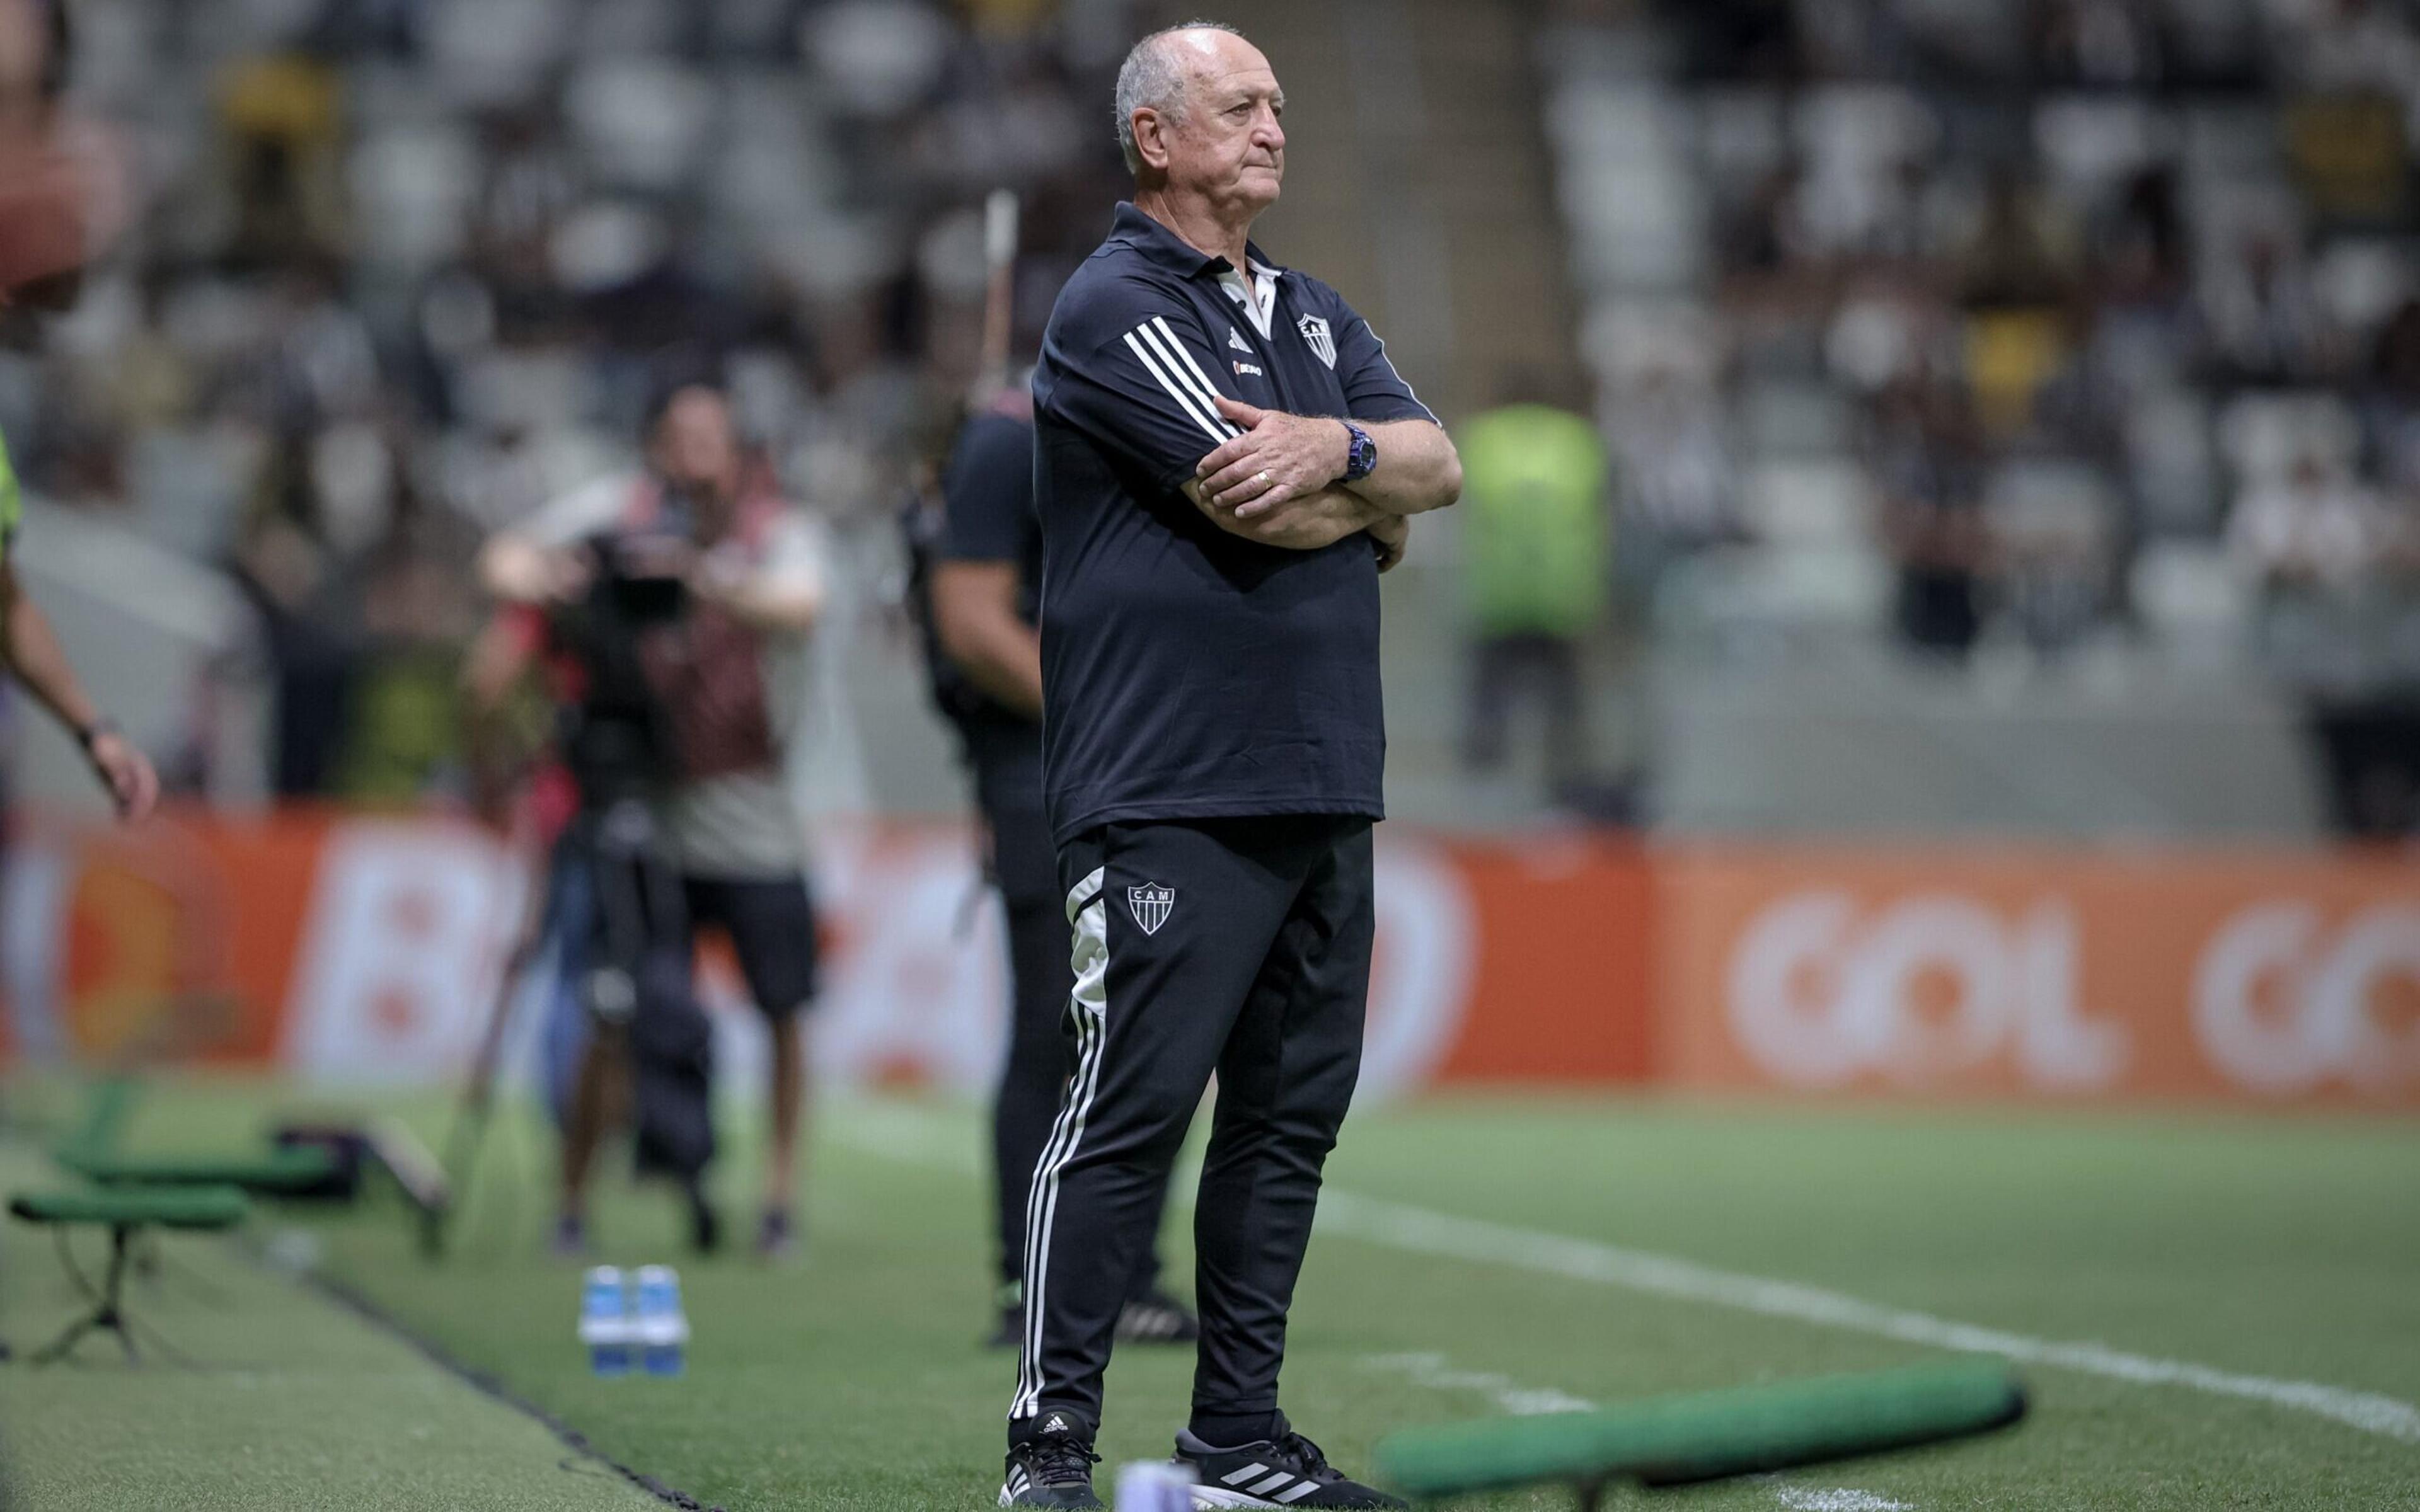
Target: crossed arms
[(1280, 482)]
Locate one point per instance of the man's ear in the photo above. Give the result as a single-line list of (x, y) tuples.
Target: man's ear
[(1151, 137)]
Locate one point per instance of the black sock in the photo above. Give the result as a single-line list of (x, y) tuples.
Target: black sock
[(1229, 1430)]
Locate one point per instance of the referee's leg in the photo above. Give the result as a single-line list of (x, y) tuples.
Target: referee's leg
[(1285, 1083), (1170, 924)]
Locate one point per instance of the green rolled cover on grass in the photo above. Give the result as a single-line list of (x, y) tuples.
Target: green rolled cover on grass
[(177, 1207), (1699, 1437)]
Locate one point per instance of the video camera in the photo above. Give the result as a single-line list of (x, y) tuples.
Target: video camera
[(617, 737)]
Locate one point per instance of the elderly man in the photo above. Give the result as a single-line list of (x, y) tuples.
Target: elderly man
[(1224, 463)]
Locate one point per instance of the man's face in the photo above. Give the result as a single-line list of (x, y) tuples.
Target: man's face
[(697, 450), (1226, 143)]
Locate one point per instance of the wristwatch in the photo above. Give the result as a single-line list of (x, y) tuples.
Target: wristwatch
[(1361, 453)]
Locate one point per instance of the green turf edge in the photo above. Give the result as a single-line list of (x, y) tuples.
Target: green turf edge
[(280, 1398)]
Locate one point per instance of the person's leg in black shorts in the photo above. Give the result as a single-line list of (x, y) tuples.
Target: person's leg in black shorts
[(1007, 761), (1238, 945), (771, 924)]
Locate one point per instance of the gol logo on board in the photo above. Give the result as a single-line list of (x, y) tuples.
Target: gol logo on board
[(1821, 993), (2282, 1002)]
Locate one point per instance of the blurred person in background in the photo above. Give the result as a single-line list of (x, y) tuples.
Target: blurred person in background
[(55, 214), (2317, 545), (2313, 534), (985, 591), (1926, 456), (1536, 539), (722, 580)]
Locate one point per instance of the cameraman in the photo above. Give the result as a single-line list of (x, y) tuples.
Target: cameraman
[(682, 596)]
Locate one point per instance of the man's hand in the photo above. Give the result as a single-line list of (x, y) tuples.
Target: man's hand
[(125, 774), (1392, 532), (1279, 456), (1304, 523)]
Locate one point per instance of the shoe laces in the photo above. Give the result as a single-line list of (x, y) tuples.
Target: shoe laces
[(1056, 1459), (1314, 1463)]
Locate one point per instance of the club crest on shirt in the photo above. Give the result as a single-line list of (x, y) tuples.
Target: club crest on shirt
[(1151, 904), (1315, 332)]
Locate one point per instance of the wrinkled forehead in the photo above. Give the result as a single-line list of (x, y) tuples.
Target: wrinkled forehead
[(1221, 66)]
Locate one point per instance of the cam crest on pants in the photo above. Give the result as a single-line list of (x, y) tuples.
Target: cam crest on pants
[(1151, 904)]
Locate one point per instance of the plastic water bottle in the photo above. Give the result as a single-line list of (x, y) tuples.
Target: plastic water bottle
[(661, 1327), (605, 1322), (1154, 1486)]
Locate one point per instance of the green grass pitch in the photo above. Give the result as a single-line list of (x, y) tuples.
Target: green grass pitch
[(2283, 1254)]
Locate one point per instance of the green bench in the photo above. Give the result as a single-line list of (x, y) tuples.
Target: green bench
[(283, 1172), (125, 1212)]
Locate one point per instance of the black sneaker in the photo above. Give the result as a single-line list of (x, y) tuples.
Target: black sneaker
[(705, 1223), (1054, 1466), (1157, 1318), (1285, 1471), (777, 1236)]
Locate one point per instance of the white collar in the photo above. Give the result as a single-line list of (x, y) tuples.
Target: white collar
[(1258, 296)]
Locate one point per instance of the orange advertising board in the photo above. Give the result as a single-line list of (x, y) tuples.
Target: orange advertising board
[(2267, 978), (355, 945), (360, 946), (1559, 989)]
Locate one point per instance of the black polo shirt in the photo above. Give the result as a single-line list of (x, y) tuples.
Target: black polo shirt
[(1188, 673), (987, 492)]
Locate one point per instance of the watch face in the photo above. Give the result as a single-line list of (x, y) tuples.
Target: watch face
[(1362, 456)]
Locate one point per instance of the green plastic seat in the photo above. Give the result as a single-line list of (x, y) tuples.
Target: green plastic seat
[(183, 1207), (125, 1212), (298, 1168)]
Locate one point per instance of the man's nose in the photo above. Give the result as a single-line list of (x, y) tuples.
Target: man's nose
[(1269, 134)]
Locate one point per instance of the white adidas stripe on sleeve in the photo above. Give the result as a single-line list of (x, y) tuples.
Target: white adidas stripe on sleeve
[(1165, 358), (1203, 385)]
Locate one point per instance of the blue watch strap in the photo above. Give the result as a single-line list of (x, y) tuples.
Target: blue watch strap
[(1360, 453)]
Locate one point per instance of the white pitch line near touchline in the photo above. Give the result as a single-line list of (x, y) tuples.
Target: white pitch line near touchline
[(1424, 1233), (910, 1136), (1804, 1498), (1436, 1373)]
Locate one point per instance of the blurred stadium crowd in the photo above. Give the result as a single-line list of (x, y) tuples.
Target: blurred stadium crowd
[(1992, 327), (2026, 326), (412, 265)]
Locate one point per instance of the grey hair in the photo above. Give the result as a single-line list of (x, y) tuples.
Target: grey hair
[(1151, 78)]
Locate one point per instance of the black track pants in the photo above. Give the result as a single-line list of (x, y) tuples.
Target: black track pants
[(1234, 945), (1007, 761)]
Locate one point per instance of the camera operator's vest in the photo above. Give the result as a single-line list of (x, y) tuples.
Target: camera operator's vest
[(706, 666)]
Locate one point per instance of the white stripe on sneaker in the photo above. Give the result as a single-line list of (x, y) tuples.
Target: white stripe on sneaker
[(1289, 1498), (1256, 1468), (1269, 1485)]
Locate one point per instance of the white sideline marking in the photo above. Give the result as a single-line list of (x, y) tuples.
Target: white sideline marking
[(1433, 1372), (913, 1137), (1801, 1499), (1424, 1233)]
